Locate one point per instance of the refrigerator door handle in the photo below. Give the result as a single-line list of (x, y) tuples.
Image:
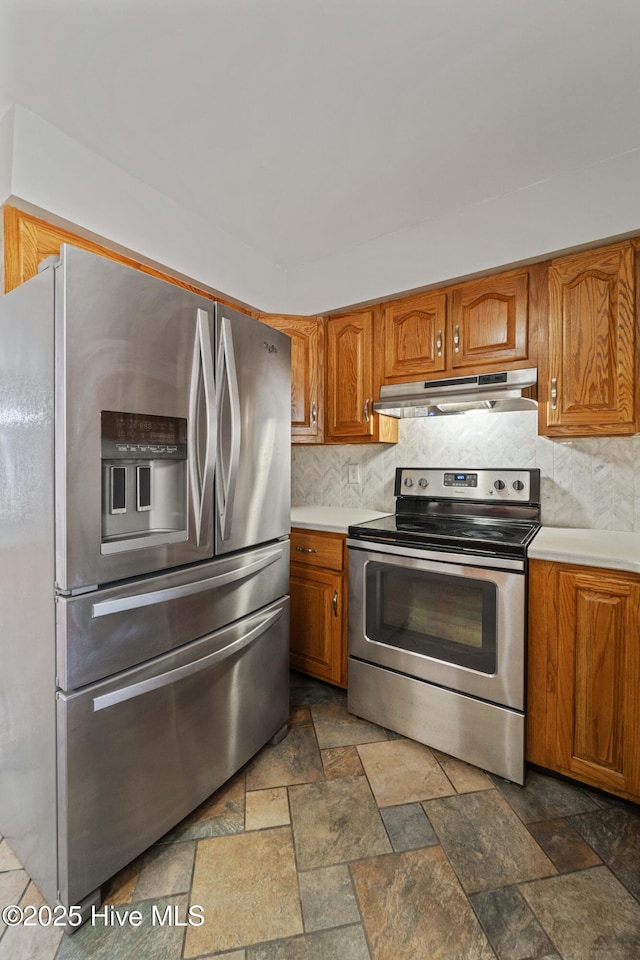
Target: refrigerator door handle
[(134, 690), (227, 470), (202, 379), (105, 608)]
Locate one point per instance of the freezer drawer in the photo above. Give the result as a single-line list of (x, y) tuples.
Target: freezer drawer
[(104, 632), (137, 753)]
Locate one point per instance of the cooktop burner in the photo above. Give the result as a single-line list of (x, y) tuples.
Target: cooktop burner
[(493, 512)]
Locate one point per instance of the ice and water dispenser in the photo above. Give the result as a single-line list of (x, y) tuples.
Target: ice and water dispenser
[(144, 480)]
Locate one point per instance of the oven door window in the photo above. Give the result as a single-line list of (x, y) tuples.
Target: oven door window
[(447, 618)]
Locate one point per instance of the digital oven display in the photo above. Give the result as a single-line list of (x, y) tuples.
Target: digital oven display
[(461, 480)]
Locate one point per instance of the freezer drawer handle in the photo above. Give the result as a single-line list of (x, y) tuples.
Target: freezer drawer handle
[(189, 669), (106, 607)]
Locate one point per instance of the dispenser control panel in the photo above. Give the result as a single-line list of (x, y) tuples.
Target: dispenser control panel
[(136, 436)]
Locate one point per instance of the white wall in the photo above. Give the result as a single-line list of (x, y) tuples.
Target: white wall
[(594, 483), (6, 150), (593, 203), (42, 168), (60, 177), (6, 164)]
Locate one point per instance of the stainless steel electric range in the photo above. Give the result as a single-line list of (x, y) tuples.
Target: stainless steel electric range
[(437, 612)]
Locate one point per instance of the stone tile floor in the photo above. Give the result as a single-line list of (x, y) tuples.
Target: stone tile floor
[(348, 842)]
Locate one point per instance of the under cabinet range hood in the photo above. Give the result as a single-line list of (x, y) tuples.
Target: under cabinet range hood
[(489, 392)]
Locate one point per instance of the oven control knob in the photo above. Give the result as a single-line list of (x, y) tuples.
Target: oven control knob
[(518, 485), (423, 482), (499, 484), (408, 482)]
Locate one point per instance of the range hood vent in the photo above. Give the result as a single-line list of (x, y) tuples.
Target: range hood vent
[(488, 392)]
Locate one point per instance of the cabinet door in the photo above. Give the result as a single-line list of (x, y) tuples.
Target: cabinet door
[(306, 382), (583, 708), (598, 669), (590, 374), (350, 375), (414, 337), (488, 322), (316, 623)]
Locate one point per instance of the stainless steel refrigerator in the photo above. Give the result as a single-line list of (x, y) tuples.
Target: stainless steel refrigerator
[(144, 560)]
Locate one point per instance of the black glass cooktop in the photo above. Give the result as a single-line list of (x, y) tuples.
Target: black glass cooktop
[(477, 535)]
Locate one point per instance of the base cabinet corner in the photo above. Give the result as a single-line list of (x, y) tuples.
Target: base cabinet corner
[(583, 670), (318, 592)]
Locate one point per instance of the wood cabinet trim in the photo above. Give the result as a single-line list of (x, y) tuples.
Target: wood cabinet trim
[(28, 240)]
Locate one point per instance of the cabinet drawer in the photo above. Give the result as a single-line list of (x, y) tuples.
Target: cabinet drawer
[(317, 549)]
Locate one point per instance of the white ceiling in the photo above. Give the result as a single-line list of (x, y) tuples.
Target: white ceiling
[(307, 127)]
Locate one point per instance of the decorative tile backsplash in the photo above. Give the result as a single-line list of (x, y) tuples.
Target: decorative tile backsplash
[(592, 483)]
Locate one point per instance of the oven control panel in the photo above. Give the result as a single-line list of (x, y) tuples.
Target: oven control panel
[(515, 486)]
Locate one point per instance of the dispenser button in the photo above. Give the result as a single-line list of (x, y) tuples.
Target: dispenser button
[(143, 483)]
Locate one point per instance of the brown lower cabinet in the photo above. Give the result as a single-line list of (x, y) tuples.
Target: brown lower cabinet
[(319, 605), (583, 711)]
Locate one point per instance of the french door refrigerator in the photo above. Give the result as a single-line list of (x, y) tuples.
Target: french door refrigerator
[(144, 557)]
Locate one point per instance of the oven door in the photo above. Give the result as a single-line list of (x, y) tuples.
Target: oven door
[(447, 622)]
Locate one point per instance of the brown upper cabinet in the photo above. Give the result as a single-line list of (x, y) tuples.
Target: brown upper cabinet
[(489, 320), (588, 383), (351, 383), (478, 325), (307, 347), (333, 379), (414, 335)]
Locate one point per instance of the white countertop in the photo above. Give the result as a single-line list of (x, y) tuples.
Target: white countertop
[(594, 548), (333, 519)]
